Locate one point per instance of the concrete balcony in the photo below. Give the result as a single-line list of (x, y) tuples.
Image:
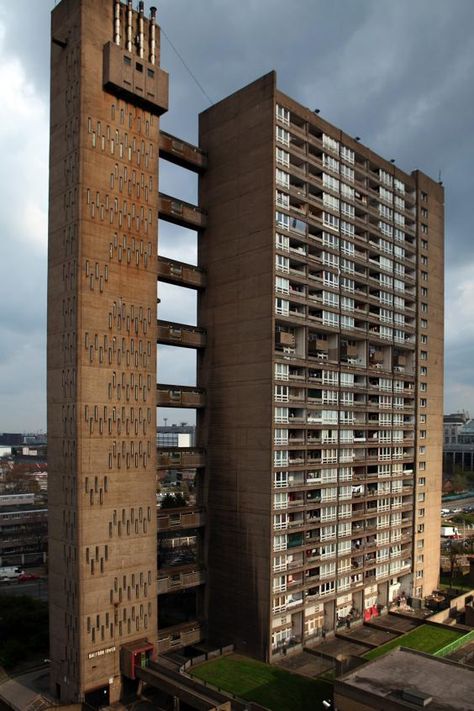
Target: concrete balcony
[(174, 581), (182, 153), (179, 636), (177, 519), (181, 458), (181, 213), (180, 273), (179, 396), (180, 334)]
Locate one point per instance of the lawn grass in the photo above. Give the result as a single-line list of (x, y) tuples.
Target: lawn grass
[(265, 684), (426, 638)]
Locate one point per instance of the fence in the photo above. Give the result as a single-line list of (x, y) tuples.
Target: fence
[(453, 646), (238, 703), (206, 656)]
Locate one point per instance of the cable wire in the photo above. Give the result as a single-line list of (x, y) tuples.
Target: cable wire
[(187, 67)]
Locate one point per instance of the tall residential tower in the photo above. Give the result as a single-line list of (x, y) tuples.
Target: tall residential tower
[(323, 371), (107, 93), (317, 465)]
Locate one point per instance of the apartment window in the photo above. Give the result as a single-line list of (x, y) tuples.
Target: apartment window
[(422, 434), (424, 229), (331, 163), (282, 220), (423, 323), (398, 185), (424, 244), (283, 136), (420, 528), (331, 201), (419, 573), (330, 318), (281, 415), (423, 402), (282, 199), (280, 458), (424, 212), (282, 286), (422, 466), (348, 284), (282, 242), (423, 387), (387, 230), (347, 228), (421, 481), (281, 393), (424, 260), (330, 220), (422, 450), (424, 308), (424, 196), (282, 178), (283, 114), (330, 143), (424, 355), (282, 263), (347, 191), (347, 303), (347, 173), (424, 339), (347, 154), (282, 157)]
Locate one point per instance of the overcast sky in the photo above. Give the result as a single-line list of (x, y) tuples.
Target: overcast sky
[(397, 73)]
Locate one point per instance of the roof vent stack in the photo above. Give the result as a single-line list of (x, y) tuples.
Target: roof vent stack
[(141, 32), (117, 37), (152, 35), (129, 25)]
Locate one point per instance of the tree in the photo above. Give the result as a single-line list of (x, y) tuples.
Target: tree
[(455, 552), (173, 501)]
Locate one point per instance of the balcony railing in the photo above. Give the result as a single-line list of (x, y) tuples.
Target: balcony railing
[(180, 458), (180, 580), (181, 213), (182, 153), (180, 334), (176, 519), (180, 273), (179, 396), (179, 636)]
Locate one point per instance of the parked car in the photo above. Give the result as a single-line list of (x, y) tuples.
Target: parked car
[(27, 577)]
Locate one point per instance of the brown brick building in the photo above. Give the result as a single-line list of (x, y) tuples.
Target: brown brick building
[(319, 385)]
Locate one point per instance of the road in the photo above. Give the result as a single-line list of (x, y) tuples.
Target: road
[(458, 503), (36, 588)]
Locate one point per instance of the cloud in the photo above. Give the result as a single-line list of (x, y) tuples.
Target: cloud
[(398, 74), (23, 230)]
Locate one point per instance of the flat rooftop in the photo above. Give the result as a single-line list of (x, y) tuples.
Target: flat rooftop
[(450, 685)]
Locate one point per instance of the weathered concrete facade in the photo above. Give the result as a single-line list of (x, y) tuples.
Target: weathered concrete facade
[(102, 340)]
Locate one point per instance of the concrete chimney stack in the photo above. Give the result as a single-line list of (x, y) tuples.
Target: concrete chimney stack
[(141, 30), (117, 32), (129, 25), (152, 35)]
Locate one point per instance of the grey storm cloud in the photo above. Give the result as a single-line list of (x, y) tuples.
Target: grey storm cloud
[(398, 74)]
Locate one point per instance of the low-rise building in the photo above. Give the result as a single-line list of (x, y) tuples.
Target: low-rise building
[(406, 679)]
